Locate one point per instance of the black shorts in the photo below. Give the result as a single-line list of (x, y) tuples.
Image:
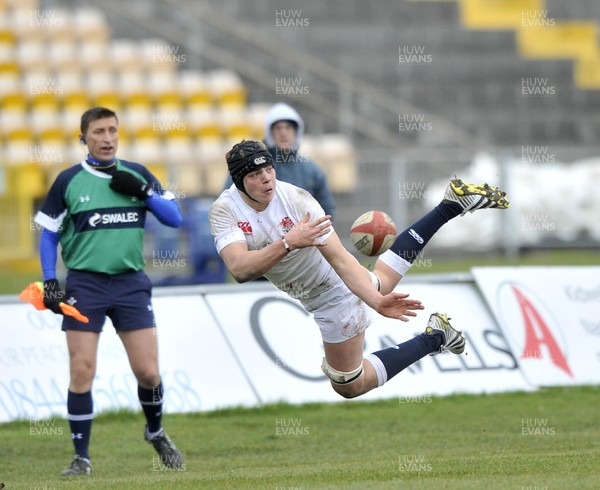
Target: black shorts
[(125, 298)]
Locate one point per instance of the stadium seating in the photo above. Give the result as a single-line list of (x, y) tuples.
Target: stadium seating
[(540, 36), (55, 63), (499, 14)]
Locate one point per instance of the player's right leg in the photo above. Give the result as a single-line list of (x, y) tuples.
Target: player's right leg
[(352, 376), (439, 337), (459, 199), (82, 348)]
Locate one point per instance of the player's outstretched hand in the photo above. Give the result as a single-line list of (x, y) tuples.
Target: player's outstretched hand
[(397, 305), (305, 232)]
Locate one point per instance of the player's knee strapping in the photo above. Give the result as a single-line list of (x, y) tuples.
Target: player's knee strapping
[(341, 377)]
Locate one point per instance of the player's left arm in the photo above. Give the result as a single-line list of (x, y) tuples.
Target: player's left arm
[(357, 278)]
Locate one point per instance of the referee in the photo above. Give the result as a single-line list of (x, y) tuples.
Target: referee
[(96, 210)]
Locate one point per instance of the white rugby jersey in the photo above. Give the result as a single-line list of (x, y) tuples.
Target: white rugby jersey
[(302, 273)]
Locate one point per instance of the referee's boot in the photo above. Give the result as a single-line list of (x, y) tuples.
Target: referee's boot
[(169, 455), (452, 340), (80, 466), (471, 197)]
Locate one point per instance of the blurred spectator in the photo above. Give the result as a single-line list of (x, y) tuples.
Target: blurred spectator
[(284, 129)]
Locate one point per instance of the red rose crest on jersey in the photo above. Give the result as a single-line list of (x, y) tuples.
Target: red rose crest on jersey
[(287, 224), (245, 227)]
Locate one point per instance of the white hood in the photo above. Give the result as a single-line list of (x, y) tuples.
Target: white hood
[(283, 112)]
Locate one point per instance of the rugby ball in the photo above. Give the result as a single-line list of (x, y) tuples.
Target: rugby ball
[(373, 233)]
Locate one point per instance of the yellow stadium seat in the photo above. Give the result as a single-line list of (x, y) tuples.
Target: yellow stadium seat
[(179, 150), (310, 147), (125, 54), (577, 39), (17, 238), (194, 88), (337, 156), (256, 115), (170, 121), (203, 123), (14, 101), (49, 151), (158, 52), (52, 136), (146, 148), (23, 4), (90, 24), (161, 172), (10, 85), (189, 179), (7, 35), (42, 119), (72, 80), (211, 158), (62, 30), (100, 81), (7, 53), (32, 54), (234, 124), (92, 54), (43, 89), (587, 73), (498, 14), (137, 119), (162, 86), (13, 119), (26, 23), (18, 143), (109, 100), (48, 24), (10, 67), (227, 88), (63, 54), (131, 83), (75, 152)]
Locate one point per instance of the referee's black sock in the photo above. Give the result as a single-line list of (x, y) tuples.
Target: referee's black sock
[(152, 400), (80, 413), (411, 241), (389, 362)]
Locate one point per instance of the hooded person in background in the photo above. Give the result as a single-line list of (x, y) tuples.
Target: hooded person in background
[(284, 129)]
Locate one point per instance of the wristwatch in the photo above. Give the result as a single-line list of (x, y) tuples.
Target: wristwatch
[(285, 244)]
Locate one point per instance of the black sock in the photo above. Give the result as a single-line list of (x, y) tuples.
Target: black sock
[(411, 241), (152, 400), (80, 413), (389, 362)]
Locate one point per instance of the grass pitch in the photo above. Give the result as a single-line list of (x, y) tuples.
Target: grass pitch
[(548, 439)]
